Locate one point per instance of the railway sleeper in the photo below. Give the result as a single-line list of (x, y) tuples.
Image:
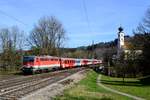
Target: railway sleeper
[(7, 97)]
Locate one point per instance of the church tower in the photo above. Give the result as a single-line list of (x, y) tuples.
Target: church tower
[(120, 41)]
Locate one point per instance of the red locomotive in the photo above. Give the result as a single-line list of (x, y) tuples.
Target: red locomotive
[(32, 64)]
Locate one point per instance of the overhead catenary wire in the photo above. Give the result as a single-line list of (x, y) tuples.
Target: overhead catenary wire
[(86, 15), (89, 25), (12, 17)]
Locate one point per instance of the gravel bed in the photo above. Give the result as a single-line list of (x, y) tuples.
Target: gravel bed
[(57, 88)]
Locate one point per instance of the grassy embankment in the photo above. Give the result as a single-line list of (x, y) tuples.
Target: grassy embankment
[(131, 86), (87, 89)]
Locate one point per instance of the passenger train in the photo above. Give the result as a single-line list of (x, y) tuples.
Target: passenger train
[(38, 64)]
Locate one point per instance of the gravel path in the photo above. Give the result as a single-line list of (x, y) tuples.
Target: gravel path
[(115, 91)]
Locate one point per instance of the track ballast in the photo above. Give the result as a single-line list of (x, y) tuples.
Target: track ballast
[(19, 87)]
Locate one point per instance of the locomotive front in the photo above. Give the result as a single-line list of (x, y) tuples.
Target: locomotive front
[(28, 64)]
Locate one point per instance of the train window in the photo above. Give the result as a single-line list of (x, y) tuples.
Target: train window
[(37, 59), (28, 59), (65, 62), (54, 59), (41, 59), (44, 59)]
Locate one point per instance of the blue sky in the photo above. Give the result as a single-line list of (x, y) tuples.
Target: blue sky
[(104, 16)]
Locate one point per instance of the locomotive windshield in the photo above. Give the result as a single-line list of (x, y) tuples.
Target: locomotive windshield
[(28, 59)]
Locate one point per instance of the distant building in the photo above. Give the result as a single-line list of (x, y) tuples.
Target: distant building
[(122, 45)]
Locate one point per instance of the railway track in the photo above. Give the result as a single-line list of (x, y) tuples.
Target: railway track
[(6, 77), (15, 89)]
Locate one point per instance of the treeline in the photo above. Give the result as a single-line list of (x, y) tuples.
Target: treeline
[(96, 51)]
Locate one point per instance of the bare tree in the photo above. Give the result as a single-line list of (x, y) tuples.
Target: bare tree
[(48, 35), (18, 38), (11, 39), (144, 26)]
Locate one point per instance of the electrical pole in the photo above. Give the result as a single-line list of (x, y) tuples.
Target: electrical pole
[(93, 49)]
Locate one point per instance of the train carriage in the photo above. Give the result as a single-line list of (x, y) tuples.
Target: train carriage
[(68, 62)]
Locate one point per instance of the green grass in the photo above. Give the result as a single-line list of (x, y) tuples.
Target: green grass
[(87, 89), (10, 72), (131, 86)]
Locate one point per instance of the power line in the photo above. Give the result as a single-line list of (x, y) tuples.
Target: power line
[(89, 26), (86, 14), (12, 17)]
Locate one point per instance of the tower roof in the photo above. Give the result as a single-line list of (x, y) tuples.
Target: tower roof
[(120, 29)]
